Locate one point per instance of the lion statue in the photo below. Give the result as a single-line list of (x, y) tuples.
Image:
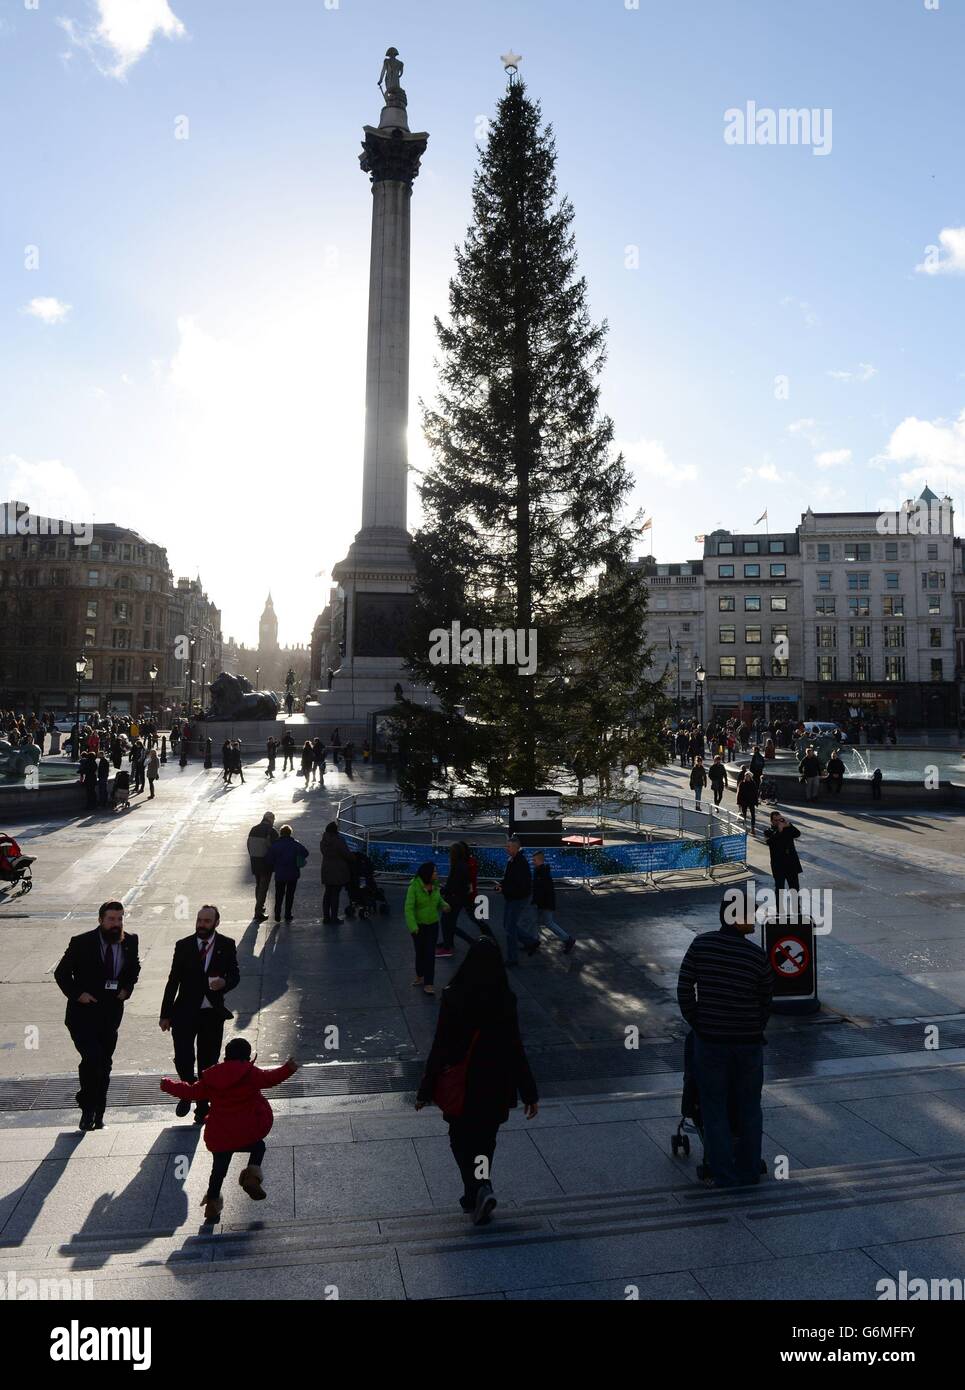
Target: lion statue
[(233, 698)]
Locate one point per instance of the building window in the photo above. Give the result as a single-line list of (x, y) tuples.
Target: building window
[(894, 606), (857, 550), (752, 548), (936, 668), (932, 552), (861, 667), (121, 613), (92, 608), (934, 604), (894, 636), (727, 635), (90, 636), (933, 579), (121, 639), (894, 667), (752, 667), (891, 550), (780, 667), (935, 637), (778, 603), (826, 636), (93, 577), (860, 579), (824, 553), (725, 547), (859, 607), (725, 571), (752, 605), (892, 579), (752, 634), (827, 667), (825, 606), (779, 571), (728, 668), (775, 547), (861, 636), (725, 605), (752, 571), (824, 579)]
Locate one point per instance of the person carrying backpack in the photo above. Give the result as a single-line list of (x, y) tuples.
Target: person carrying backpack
[(239, 1118)]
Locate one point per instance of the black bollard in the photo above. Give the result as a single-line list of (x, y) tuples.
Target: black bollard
[(207, 752), (164, 748)]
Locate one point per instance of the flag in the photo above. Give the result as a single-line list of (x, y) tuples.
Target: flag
[(700, 539), (669, 637), (762, 517), (646, 525)]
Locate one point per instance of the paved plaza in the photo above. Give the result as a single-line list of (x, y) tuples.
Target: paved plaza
[(867, 1120)]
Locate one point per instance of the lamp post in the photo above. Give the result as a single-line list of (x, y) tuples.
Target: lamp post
[(80, 666), (204, 667), (153, 674), (257, 677), (701, 676)]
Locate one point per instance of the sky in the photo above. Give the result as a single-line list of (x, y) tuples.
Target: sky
[(184, 235)]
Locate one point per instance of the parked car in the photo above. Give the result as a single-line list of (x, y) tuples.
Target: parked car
[(15, 761)]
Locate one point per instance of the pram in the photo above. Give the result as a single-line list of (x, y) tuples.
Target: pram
[(365, 897), (14, 866), (690, 1112), (768, 792), (121, 795)]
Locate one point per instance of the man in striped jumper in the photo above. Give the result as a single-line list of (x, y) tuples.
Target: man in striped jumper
[(724, 991)]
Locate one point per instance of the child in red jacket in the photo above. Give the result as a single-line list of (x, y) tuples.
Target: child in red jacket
[(239, 1118)]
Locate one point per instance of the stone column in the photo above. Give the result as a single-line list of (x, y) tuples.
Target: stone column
[(391, 155)]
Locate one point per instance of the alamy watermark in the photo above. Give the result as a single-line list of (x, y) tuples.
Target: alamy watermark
[(786, 906), (19, 1288), (492, 646), (754, 125), (923, 519), (16, 519)]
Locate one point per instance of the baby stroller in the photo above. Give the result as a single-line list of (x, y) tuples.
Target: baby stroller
[(768, 792), (121, 795), (14, 866), (690, 1112), (365, 897)]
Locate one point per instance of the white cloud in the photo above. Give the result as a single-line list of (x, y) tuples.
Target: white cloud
[(48, 486), (123, 32), (47, 309), (934, 448), (948, 257), (831, 458), (765, 472), (811, 319), (864, 373), (648, 458), (800, 426)]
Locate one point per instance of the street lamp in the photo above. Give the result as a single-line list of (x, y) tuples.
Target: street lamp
[(80, 666), (701, 675), (257, 677), (153, 674), (204, 667)]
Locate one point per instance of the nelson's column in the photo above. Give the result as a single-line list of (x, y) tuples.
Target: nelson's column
[(375, 578)]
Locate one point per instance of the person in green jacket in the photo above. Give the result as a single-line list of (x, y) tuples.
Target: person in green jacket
[(423, 903)]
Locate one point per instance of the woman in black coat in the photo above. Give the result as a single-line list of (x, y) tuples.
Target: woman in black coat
[(457, 895), (478, 1019), (747, 796)]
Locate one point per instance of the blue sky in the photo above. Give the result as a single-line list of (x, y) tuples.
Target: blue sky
[(184, 351)]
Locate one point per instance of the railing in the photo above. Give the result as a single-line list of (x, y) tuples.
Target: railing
[(648, 838)]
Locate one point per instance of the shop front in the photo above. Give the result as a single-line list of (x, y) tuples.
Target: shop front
[(929, 706)]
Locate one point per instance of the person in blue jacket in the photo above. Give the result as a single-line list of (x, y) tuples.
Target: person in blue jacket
[(286, 857)]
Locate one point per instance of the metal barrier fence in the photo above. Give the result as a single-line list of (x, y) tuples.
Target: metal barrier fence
[(669, 836)]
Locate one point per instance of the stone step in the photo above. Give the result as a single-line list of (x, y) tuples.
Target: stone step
[(564, 1218)]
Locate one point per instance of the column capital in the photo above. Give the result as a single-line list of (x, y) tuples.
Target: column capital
[(392, 156)]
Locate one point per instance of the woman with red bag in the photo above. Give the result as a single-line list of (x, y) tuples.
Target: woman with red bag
[(477, 1070)]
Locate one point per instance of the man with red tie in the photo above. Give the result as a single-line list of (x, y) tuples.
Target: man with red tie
[(204, 969)]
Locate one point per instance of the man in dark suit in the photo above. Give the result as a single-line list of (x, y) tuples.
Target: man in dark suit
[(204, 968), (97, 973)]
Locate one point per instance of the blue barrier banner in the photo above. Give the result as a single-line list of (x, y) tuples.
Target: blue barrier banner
[(567, 861)]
